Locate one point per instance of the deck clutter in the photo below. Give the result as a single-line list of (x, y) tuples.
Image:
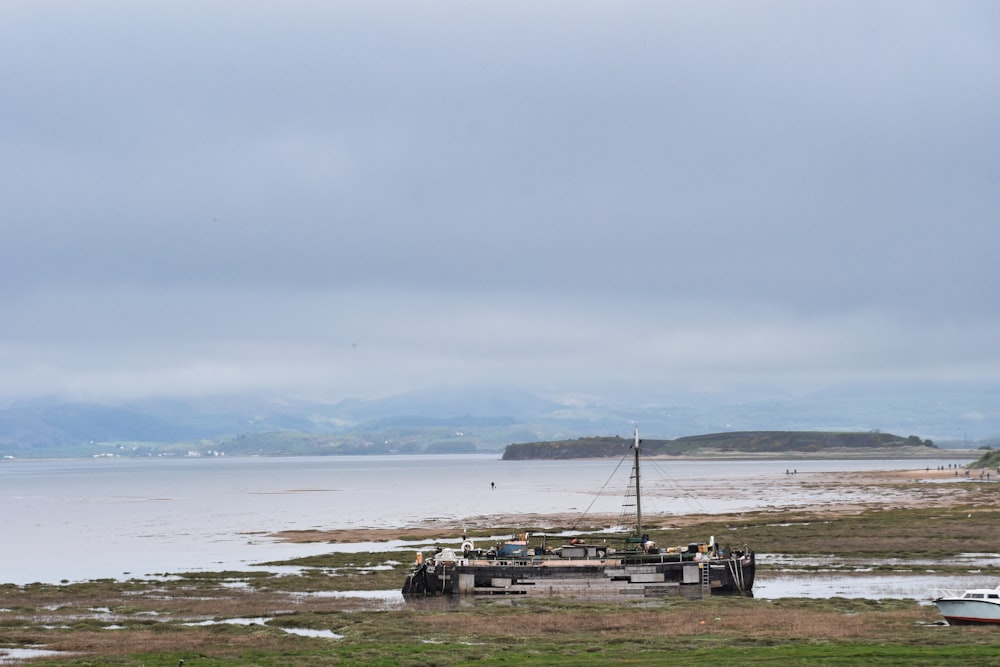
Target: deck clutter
[(636, 566)]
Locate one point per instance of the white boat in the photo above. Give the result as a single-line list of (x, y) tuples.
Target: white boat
[(976, 605)]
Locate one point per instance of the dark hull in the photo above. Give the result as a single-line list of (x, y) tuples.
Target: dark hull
[(621, 576), (961, 620)]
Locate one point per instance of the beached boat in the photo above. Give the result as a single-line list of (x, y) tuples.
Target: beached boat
[(976, 605), (636, 566)]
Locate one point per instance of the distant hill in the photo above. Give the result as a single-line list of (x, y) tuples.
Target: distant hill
[(989, 460), (486, 419), (737, 442), (242, 427)]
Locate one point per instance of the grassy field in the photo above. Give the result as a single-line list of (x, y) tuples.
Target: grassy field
[(165, 619), (535, 632)]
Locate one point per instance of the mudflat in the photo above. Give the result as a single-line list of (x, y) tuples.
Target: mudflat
[(806, 494)]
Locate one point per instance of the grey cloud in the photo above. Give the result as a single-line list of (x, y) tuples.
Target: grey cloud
[(477, 190)]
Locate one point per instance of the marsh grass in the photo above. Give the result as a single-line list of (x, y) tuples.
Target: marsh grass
[(934, 532), (106, 622), (646, 635), (548, 631), (339, 571)]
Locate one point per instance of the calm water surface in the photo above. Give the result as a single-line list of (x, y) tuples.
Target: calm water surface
[(87, 519)]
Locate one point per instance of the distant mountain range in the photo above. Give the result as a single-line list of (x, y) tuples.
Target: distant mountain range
[(473, 420)]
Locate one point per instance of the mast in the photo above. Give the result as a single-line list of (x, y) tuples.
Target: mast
[(638, 495)]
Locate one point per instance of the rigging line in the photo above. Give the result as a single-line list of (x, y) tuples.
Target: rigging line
[(686, 495), (608, 481)]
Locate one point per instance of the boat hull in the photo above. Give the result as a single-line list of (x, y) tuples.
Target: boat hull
[(966, 611), (583, 570), (605, 578)]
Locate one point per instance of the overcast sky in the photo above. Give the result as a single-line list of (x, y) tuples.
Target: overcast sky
[(334, 199)]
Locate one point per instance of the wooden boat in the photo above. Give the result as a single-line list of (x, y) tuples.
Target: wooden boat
[(975, 606), (636, 567)]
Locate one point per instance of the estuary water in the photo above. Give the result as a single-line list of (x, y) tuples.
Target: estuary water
[(73, 520)]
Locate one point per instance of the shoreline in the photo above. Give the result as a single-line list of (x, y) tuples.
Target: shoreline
[(863, 454), (829, 455), (845, 454)]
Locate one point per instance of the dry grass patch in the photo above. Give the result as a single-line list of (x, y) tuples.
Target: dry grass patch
[(756, 620), (359, 535)]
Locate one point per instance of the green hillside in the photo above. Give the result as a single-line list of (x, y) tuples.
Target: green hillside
[(736, 442), (991, 459)]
